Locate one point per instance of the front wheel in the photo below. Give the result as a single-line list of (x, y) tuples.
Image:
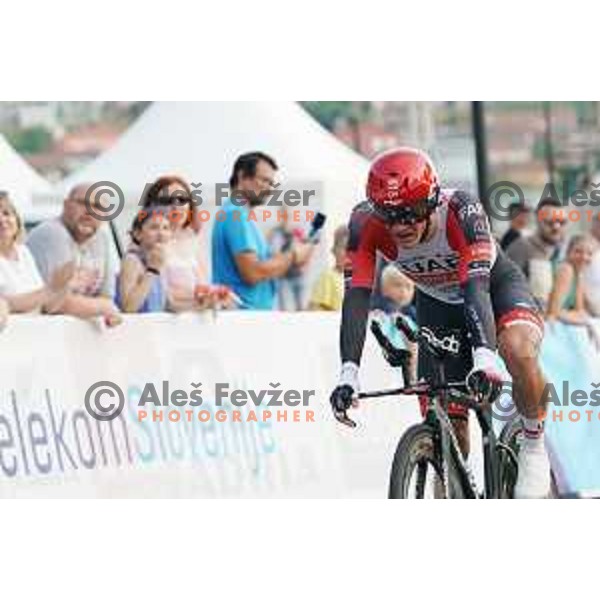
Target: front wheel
[(416, 471), (509, 445)]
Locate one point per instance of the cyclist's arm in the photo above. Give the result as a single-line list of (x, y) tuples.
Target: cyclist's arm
[(469, 234), (366, 236), (355, 313), (358, 274)]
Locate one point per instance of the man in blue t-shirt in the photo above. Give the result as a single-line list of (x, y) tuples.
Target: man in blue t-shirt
[(241, 258)]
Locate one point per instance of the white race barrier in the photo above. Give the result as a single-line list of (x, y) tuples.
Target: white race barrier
[(51, 447), (571, 361)]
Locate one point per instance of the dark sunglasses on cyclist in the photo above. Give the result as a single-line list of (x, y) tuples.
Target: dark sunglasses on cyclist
[(408, 215)]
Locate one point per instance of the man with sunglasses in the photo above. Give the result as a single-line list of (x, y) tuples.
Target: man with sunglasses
[(466, 286), (538, 254)]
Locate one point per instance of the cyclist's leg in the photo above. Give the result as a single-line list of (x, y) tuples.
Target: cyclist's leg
[(520, 329), (520, 333), (446, 319)]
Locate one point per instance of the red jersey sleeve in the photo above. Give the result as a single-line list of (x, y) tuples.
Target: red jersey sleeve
[(368, 235), (469, 234)]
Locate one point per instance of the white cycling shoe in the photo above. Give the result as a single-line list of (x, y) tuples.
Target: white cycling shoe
[(534, 470)]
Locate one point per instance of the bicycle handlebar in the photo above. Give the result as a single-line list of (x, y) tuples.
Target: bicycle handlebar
[(416, 389), (438, 348)]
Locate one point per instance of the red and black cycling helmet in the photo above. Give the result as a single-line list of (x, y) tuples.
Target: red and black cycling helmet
[(403, 186)]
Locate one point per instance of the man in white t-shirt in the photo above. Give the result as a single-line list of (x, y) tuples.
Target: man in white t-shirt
[(76, 236), (592, 273)]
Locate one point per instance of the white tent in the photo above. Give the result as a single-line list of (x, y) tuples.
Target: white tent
[(201, 140), (19, 179)]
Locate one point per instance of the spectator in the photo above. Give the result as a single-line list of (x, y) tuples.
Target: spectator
[(520, 216), (21, 286), (567, 299), (537, 254), (4, 312), (328, 292), (75, 237), (398, 291), (290, 287), (241, 257), (185, 271), (141, 287), (592, 273)]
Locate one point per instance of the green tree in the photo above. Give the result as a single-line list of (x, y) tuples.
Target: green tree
[(31, 140), (328, 112)]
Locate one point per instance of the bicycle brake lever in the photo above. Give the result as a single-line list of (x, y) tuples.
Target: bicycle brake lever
[(344, 419)]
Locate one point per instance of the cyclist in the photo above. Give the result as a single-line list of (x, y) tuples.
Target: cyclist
[(466, 285)]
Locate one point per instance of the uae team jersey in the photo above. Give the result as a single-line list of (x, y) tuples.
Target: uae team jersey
[(461, 247)]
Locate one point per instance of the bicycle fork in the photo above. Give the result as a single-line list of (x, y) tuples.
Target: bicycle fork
[(491, 468), (449, 447)]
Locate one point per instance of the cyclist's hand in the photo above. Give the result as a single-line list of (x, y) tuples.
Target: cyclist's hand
[(486, 376), (343, 396)]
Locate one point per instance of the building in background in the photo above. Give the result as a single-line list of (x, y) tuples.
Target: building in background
[(413, 123), (529, 143), (58, 137), (366, 138)]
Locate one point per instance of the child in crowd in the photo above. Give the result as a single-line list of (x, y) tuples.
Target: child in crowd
[(185, 271), (397, 292), (328, 292), (290, 286), (141, 287)]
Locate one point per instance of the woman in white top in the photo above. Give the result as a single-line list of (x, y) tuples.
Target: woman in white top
[(21, 285), (592, 274), (4, 312)]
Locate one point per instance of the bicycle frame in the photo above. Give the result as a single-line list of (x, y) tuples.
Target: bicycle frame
[(438, 418), (447, 436)]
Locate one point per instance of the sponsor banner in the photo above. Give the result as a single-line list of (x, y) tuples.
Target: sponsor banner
[(51, 446), (571, 360)]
